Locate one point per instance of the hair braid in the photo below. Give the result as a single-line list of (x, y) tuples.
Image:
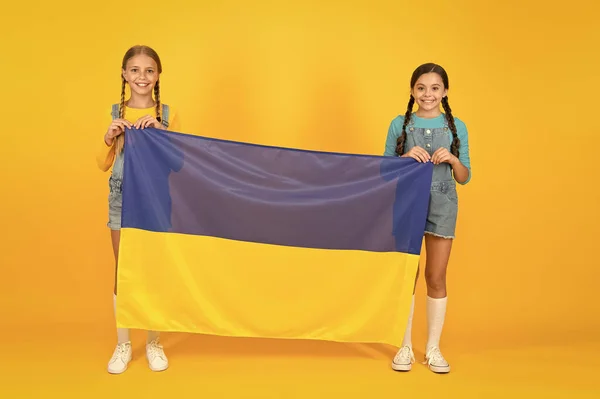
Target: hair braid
[(402, 139), (450, 120), (120, 141), (157, 98)]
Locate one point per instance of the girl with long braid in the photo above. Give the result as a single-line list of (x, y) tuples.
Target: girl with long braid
[(428, 135), (140, 69)]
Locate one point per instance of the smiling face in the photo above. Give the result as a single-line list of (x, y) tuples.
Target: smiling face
[(428, 91), (141, 73)]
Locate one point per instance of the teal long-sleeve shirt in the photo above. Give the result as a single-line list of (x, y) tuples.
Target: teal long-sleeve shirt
[(395, 130)]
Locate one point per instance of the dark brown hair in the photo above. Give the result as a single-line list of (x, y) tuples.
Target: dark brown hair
[(132, 52), (421, 70)]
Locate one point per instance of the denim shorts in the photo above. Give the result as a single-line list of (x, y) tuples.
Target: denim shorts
[(443, 201), (443, 210), (115, 195), (115, 203)]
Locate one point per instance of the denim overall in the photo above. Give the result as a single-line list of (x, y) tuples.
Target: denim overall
[(115, 182), (443, 202)]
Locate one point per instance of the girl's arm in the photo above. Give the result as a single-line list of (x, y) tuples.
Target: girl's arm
[(461, 173), (105, 155), (394, 132), (461, 166), (106, 151)]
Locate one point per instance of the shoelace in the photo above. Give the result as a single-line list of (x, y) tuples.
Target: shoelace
[(434, 357), (120, 352), (405, 352), (155, 349)]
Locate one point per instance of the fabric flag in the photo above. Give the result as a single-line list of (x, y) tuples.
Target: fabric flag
[(235, 239)]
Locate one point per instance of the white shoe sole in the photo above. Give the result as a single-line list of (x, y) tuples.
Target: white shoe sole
[(440, 369), (117, 372), (121, 371), (157, 369), (401, 367)]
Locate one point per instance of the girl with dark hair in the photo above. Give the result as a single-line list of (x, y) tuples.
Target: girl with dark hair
[(428, 135)]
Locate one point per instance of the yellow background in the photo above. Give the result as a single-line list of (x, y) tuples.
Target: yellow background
[(323, 75)]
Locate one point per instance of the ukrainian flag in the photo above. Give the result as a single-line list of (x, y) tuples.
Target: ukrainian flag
[(235, 239)]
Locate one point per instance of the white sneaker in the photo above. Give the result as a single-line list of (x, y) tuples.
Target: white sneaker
[(435, 361), (404, 359), (120, 358), (157, 360)]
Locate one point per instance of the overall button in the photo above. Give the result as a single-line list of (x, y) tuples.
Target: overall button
[(428, 145), (428, 131), (412, 129)]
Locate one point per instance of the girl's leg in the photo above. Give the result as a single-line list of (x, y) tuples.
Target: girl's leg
[(115, 235), (405, 356), (438, 254), (408, 333), (157, 359), (122, 354)]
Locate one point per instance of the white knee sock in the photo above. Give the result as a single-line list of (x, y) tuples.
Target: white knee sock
[(122, 333), (408, 333), (436, 312)]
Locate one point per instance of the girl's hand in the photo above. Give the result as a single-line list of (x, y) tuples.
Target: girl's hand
[(417, 153), (116, 128), (443, 155), (148, 121)]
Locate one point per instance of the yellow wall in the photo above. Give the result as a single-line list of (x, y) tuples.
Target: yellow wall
[(326, 77)]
